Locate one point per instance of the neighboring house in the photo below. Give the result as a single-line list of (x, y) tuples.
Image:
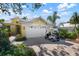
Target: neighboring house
[(68, 26)]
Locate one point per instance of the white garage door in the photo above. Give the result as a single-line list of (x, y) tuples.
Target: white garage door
[(35, 31)]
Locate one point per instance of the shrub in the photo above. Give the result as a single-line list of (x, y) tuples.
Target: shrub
[(4, 39), (20, 38), (19, 50), (72, 35), (63, 33), (22, 50), (6, 49)]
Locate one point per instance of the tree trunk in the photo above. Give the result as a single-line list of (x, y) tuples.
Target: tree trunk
[(54, 25), (75, 29), (77, 39)]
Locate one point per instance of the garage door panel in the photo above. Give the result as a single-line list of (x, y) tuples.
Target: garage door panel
[(35, 32)]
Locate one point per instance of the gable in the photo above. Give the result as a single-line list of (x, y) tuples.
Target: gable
[(15, 21), (38, 21)]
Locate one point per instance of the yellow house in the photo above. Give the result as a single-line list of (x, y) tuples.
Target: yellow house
[(15, 27), (18, 26), (33, 28)]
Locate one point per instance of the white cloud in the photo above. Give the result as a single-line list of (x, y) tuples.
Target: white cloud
[(46, 11), (59, 15), (63, 14), (50, 8), (27, 14), (24, 6), (62, 6), (65, 6), (71, 5), (35, 16)]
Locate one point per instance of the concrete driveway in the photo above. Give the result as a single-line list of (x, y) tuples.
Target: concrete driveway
[(44, 47)]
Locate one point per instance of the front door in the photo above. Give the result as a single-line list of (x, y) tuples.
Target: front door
[(18, 29)]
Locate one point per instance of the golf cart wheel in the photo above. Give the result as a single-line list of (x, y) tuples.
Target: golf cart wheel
[(58, 40)]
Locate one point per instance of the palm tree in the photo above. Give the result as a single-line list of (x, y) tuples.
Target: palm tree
[(75, 20), (53, 18)]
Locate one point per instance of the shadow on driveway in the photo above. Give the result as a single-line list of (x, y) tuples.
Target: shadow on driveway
[(42, 40)]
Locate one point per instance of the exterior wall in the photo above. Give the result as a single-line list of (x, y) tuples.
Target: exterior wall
[(35, 28), (14, 24), (24, 25), (13, 29), (23, 28)]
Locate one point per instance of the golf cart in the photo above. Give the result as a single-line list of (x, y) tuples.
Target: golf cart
[(53, 35)]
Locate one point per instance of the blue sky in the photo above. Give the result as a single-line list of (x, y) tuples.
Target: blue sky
[(65, 11)]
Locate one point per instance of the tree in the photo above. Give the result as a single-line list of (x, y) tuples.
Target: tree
[(25, 18), (17, 7), (75, 20), (2, 23), (4, 39), (53, 18), (1, 20)]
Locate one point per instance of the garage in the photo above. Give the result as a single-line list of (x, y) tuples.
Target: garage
[(35, 31)]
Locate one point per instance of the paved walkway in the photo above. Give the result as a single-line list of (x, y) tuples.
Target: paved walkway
[(44, 47)]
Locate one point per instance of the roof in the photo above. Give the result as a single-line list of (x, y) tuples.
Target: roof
[(34, 19), (29, 21), (39, 18)]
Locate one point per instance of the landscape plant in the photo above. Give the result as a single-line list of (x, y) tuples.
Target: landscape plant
[(75, 20), (64, 33), (19, 37), (7, 49)]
